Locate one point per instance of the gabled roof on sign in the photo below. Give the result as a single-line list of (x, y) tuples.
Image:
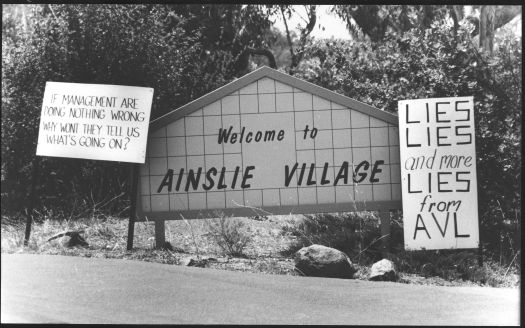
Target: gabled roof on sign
[(266, 71)]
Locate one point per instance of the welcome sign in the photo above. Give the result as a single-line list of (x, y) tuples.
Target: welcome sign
[(272, 142), (438, 170), (95, 121)]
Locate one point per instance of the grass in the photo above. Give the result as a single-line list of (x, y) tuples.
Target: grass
[(264, 246)]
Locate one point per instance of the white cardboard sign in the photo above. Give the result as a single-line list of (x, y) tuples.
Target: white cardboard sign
[(438, 173), (95, 121)]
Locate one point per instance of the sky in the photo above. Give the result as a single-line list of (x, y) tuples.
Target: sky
[(333, 25)]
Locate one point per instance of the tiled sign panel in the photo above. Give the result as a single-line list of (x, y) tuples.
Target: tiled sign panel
[(270, 144)]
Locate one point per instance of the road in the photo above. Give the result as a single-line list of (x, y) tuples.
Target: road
[(59, 289)]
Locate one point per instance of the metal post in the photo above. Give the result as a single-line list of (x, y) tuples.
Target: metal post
[(160, 235), (34, 181), (134, 172)]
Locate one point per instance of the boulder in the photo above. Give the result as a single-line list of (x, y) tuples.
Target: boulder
[(383, 270), (201, 263), (188, 261), (73, 239), (322, 261)]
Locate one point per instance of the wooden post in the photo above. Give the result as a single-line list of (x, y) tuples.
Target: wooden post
[(160, 235), (34, 181), (480, 247), (385, 232), (134, 172)]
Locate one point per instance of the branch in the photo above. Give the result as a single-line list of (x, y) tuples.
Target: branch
[(253, 208), (366, 248), (243, 61), (509, 14), (288, 37), (263, 52), (51, 9), (304, 35), (491, 82)]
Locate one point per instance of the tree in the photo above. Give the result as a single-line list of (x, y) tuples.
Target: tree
[(242, 29), (375, 21), (297, 47), (182, 52), (434, 63), (486, 28)]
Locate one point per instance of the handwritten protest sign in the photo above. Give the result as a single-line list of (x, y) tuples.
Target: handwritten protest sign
[(438, 173), (95, 121)]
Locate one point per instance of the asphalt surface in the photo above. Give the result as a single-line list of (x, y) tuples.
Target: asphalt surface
[(59, 289)]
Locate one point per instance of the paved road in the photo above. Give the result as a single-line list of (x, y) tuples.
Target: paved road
[(58, 289)]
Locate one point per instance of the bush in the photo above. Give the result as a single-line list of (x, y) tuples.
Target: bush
[(230, 234), (355, 234), (456, 265), (173, 49), (434, 63)]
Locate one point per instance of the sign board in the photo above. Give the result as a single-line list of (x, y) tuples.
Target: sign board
[(438, 170), (95, 121), (273, 142)]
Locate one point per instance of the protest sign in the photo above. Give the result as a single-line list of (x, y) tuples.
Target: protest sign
[(438, 173), (95, 121)]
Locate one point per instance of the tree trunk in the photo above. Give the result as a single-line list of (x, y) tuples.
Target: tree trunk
[(486, 28)]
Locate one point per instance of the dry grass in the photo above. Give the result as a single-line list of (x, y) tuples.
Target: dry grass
[(271, 238), (107, 238)]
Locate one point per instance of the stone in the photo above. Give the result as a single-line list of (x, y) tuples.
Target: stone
[(189, 261), (322, 261), (73, 239), (77, 240), (383, 270)]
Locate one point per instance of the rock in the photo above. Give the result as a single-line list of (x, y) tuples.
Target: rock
[(427, 270), (189, 261), (322, 261), (383, 270), (75, 239)]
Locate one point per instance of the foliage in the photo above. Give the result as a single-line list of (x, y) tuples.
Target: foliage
[(454, 265), (437, 63), (182, 52), (358, 235), (230, 234), (375, 21), (298, 45)]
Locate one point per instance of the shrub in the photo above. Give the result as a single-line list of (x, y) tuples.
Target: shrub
[(456, 265), (181, 51), (435, 63), (355, 234), (230, 234)]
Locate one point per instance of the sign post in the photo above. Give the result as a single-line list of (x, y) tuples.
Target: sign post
[(438, 173), (32, 194), (94, 121), (134, 172)]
